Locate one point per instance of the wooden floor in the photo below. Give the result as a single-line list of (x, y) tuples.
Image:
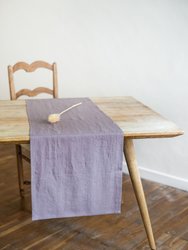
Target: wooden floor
[(168, 209)]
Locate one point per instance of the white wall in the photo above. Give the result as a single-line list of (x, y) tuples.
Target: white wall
[(110, 47)]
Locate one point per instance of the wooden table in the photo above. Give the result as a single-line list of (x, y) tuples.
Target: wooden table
[(135, 119)]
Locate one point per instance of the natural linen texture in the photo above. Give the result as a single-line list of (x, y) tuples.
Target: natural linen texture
[(76, 164)]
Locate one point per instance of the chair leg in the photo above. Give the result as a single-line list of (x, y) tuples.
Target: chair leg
[(138, 189), (20, 169)]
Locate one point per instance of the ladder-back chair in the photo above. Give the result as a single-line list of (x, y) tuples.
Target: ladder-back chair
[(23, 150)]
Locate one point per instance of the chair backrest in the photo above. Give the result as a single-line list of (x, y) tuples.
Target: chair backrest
[(30, 68)]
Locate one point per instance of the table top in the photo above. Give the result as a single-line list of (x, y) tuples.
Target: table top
[(135, 119)]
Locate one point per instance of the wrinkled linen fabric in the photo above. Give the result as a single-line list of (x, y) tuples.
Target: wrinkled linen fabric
[(76, 164)]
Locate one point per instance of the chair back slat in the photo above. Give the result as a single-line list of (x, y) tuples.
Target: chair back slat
[(34, 92), (32, 67)]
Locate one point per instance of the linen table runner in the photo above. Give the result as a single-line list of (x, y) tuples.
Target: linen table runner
[(76, 164)]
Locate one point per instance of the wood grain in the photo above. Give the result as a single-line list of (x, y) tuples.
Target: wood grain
[(137, 120), (168, 209), (134, 118)]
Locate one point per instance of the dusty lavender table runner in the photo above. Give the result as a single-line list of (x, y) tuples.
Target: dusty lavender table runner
[(76, 164)]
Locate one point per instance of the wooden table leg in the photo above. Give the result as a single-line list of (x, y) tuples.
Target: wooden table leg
[(138, 188)]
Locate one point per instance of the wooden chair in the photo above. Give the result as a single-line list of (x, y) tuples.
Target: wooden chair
[(23, 150)]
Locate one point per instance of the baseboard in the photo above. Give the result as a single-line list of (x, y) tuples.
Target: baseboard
[(162, 178)]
